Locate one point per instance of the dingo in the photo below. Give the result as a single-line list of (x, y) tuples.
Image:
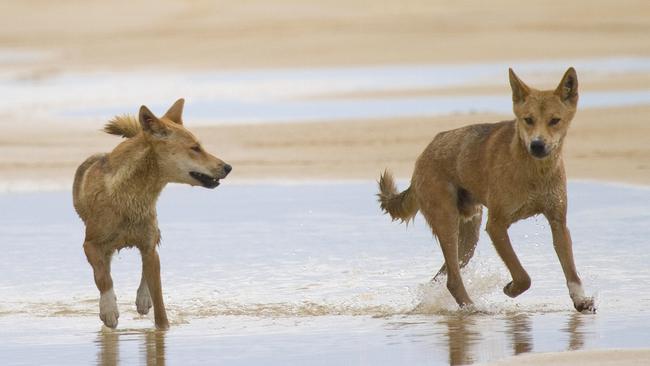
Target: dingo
[(115, 195), (513, 168)]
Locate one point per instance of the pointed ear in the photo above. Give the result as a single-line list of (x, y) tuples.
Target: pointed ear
[(150, 123), (567, 90), (519, 90), (175, 112)]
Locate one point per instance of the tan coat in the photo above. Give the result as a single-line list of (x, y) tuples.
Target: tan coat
[(513, 168), (115, 195)]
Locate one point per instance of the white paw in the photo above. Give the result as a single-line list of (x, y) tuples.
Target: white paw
[(143, 300), (108, 309), (585, 305)]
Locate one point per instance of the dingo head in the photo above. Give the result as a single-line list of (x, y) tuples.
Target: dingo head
[(180, 156), (543, 116)]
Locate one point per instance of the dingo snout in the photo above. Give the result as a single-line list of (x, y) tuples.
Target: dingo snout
[(538, 149)]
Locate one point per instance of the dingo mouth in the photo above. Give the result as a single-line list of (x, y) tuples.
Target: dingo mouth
[(206, 180)]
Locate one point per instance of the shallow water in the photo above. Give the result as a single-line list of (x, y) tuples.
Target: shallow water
[(313, 273), (286, 95)]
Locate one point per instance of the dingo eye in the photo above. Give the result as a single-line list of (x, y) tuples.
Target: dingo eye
[(553, 121), (196, 148), (529, 121)]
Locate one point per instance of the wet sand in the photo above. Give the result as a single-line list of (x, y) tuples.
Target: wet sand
[(603, 144), (312, 273), (39, 150), (601, 358), (444, 340)]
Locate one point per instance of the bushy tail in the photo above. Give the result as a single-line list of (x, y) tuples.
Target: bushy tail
[(125, 126), (400, 206)]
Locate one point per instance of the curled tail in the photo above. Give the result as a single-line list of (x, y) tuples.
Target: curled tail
[(400, 206), (125, 126)]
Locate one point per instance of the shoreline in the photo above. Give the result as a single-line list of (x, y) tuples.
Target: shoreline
[(271, 238), (348, 149), (59, 187), (307, 251), (595, 357)]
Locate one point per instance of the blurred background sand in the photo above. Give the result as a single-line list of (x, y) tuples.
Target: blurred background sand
[(257, 33), (44, 39)]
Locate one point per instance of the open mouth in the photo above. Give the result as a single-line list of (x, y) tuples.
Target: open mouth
[(206, 180)]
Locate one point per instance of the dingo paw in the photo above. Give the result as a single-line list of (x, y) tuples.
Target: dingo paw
[(513, 289), (586, 305), (143, 301), (162, 324), (108, 312)]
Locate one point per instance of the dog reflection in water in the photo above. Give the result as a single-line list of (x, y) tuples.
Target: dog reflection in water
[(109, 347)]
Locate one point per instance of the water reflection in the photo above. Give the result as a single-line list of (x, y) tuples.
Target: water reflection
[(151, 349), (108, 342), (519, 328), (461, 337), (471, 338), (575, 328), (464, 338), (155, 348)]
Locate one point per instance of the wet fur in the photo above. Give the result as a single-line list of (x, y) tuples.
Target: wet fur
[(125, 126), (400, 205), (494, 165), (115, 195)]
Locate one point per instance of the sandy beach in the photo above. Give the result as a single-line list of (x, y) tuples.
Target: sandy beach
[(607, 145), (65, 67), (290, 33), (603, 358), (604, 143)]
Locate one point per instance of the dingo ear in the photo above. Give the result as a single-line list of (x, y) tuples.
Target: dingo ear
[(519, 90), (568, 88), (150, 123), (175, 112)]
